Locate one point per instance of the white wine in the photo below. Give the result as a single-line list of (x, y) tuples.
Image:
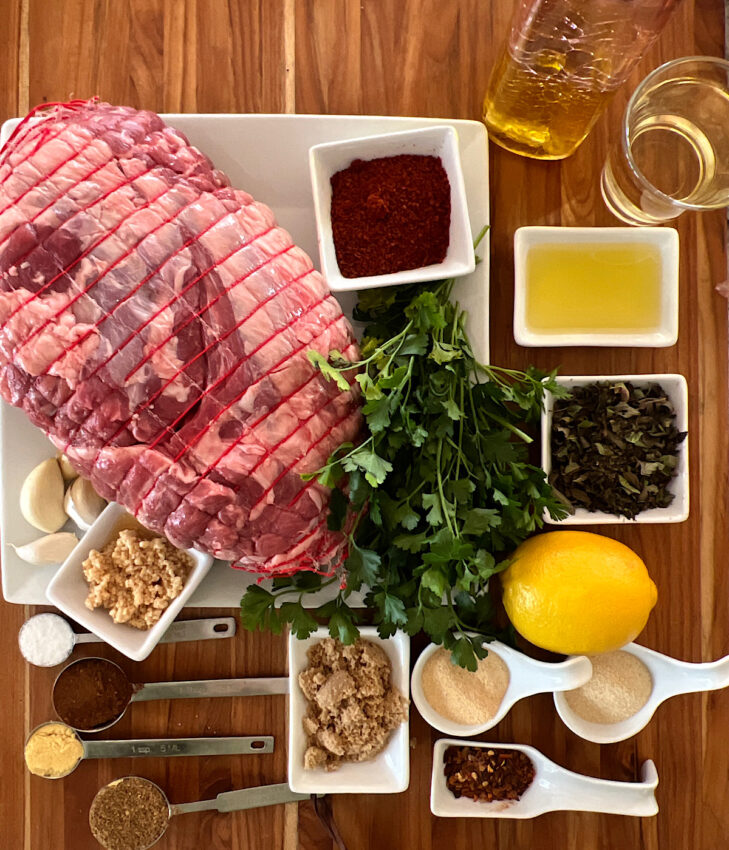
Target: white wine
[(674, 154)]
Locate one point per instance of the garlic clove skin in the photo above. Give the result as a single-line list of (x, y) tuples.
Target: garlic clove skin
[(82, 503), (41, 497), (67, 470), (51, 549)]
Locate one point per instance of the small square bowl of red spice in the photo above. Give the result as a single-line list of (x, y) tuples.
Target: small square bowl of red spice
[(616, 448), (391, 209)]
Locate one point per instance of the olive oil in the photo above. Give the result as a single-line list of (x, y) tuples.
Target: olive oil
[(593, 288), (539, 110)]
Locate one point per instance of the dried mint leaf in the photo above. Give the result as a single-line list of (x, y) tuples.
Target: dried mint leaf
[(615, 448)]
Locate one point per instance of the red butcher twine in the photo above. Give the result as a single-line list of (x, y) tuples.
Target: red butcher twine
[(155, 323), (390, 214)]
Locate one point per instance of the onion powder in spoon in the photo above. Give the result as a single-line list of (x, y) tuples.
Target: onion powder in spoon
[(46, 640)]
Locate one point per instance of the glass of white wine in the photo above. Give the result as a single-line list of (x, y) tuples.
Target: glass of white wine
[(673, 150)]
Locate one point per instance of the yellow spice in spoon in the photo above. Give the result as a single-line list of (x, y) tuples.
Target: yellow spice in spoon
[(53, 750), (462, 696)]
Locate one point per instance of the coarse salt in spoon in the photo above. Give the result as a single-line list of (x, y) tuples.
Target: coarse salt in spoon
[(47, 640), (671, 677), (554, 788)]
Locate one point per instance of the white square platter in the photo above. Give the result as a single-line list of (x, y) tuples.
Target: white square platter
[(268, 156)]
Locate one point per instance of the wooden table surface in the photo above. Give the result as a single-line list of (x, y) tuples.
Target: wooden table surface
[(395, 57)]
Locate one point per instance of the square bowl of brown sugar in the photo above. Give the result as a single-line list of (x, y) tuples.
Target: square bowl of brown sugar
[(348, 714), (391, 209)]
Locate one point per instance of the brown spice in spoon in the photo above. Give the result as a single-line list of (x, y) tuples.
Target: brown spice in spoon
[(129, 814), (90, 693)]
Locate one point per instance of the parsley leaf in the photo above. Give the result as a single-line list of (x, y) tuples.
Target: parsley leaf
[(439, 492)]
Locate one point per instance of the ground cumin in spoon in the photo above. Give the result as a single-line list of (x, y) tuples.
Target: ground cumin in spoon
[(129, 814), (462, 696)]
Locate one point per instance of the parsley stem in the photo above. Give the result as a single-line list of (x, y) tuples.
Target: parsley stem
[(508, 425), (445, 507)]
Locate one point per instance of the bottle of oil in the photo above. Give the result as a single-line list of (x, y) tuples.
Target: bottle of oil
[(561, 64)]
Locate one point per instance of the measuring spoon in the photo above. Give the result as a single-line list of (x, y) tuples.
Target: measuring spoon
[(157, 747), (228, 801), (182, 630), (671, 677), (527, 676), (179, 690), (553, 789)]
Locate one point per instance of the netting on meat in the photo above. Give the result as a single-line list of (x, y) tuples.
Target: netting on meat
[(155, 323)]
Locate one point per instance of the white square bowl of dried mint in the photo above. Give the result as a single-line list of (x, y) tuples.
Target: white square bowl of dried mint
[(617, 450)]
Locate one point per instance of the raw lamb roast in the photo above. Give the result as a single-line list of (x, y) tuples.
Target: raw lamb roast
[(155, 324)]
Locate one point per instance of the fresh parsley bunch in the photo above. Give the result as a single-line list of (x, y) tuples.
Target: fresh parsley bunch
[(441, 489)]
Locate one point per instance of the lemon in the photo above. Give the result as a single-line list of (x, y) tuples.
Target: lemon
[(575, 592)]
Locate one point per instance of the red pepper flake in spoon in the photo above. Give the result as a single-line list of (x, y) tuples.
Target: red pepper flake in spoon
[(390, 214), (487, 775)]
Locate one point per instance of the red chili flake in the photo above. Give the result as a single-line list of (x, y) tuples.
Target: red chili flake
[(390, 214), (487, 775)]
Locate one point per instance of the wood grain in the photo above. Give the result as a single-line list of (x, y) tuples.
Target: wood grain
[(416, 57)]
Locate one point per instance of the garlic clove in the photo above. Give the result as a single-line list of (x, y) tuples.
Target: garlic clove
[(41, 497), (67, 470), (51, 549), (82, 503)]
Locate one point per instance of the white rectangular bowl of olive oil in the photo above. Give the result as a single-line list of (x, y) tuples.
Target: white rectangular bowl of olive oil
[(596, 286)]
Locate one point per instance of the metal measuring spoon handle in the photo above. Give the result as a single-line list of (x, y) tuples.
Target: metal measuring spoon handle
[(183, 630), (246, 798), (154, 747), (211, 688)]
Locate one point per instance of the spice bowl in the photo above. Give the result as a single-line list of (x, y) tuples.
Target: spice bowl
[(600, 251), (671, 677), (325, 160), (676, 390), (389, 771), (68, 591), (552, 789), (527, 677)]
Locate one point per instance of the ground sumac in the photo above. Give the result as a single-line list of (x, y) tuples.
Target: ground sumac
[(390, 214)]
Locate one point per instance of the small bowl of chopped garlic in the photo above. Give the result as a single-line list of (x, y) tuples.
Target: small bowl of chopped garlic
[(126, 584)]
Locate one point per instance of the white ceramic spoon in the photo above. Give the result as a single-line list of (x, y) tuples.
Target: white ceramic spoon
[(553, 789), (671, 677), (526, 677)]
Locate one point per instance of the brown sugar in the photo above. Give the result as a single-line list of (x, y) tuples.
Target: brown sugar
[(352, 705)]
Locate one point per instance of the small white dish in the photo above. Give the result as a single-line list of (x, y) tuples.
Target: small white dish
[(527, 676), (388, 772), (327, 159), (68, 590), (671, 678), (553, 789), (664, 238), (677, 390)]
